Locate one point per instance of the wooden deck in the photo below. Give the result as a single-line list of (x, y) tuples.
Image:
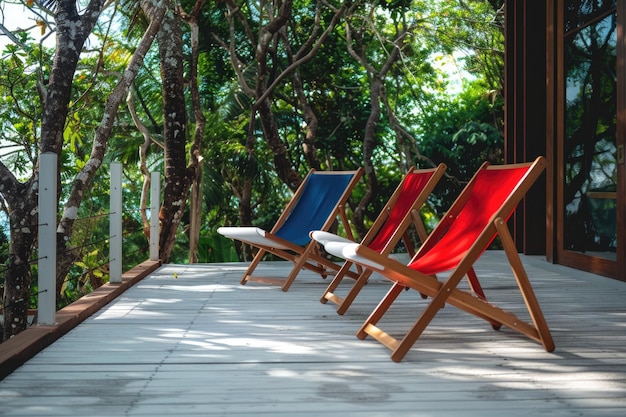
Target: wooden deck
[(191, 341)]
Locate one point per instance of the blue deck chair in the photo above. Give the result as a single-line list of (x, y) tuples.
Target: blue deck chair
[(315, 206)]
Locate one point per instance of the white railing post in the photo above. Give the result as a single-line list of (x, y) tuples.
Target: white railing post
[(115, 224), (47, 250), (155, 203)]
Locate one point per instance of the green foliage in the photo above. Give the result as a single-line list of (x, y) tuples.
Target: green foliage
[(460, 132), (216, 248), (20, 104), (226, 166)]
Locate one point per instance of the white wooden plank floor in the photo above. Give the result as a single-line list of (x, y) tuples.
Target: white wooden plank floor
[(191, 341)]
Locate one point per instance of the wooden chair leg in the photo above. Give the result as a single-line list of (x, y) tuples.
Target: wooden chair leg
[(381, 309), (525, 287), (418, 327), (329, 292), (299, 263), (255, 262), (354, 291)]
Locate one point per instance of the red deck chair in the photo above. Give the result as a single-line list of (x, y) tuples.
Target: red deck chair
[(391, 225), (316, 205), (477, 216)]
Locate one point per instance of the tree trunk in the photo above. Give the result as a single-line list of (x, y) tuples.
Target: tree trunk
[(17, 276), (195, 217), (308, 145), (177, 182), (69, 45), (66, 257), (369, 144)]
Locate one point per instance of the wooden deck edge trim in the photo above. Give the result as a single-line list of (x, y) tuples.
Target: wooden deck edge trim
[(20, 348)]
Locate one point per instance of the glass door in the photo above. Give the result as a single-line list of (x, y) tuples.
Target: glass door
[(590, 152)]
